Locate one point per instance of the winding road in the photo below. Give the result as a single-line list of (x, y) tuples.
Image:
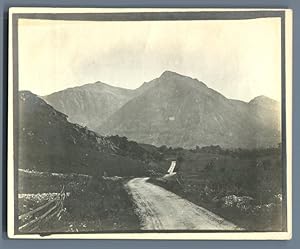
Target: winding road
[(160, 209)]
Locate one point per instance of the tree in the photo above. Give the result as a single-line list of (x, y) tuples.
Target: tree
[(162, 148)]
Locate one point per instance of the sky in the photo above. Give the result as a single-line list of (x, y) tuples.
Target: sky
[(238, 58)]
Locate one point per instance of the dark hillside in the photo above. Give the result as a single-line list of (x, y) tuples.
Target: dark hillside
[(48, 142)]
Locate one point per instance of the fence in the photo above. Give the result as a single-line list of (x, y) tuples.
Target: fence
[(30, 221)]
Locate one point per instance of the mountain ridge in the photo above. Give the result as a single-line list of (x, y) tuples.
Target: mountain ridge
[(180, 111), (174, 102), (90, 104)]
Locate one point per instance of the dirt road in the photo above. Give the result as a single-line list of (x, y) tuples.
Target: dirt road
[(160, 209)]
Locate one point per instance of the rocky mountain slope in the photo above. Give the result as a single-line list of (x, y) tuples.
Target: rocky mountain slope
[(173, 110), (89, 105), (179, 111)]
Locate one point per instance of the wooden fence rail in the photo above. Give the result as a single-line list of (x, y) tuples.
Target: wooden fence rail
[(42, 213)]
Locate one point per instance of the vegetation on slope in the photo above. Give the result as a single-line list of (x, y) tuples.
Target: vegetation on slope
[(244, 186), (92, 204), (49, 143)]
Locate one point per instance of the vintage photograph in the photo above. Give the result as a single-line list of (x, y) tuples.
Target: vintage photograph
[(149, 123)]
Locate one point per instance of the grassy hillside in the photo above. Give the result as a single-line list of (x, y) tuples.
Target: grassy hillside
[(92, 204), (244, 186), (49, 143)]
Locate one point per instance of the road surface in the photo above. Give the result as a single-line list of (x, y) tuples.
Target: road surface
[(160, 209)]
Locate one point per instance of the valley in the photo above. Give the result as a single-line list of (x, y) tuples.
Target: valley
[(94, 158)]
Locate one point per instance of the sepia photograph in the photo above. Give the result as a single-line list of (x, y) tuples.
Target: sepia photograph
[(149, 123)]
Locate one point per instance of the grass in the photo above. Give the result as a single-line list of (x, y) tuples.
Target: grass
[(100, 204), (207, 179), (29, 202), (93, 204), (104, 206), (255, 218), (33, 182)]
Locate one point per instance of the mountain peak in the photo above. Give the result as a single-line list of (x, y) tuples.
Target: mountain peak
[(27, 96), (96, 85), (262, 100), (169, 74), (171, 77)]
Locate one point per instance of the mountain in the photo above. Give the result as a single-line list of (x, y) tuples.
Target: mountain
[(89, 105), (48, 142), (179, 111)]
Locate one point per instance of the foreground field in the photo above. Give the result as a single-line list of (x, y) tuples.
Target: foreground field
[(243, 186), (80, 204)]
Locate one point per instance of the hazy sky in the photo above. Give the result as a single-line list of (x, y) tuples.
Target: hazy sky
[(240, 59)]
